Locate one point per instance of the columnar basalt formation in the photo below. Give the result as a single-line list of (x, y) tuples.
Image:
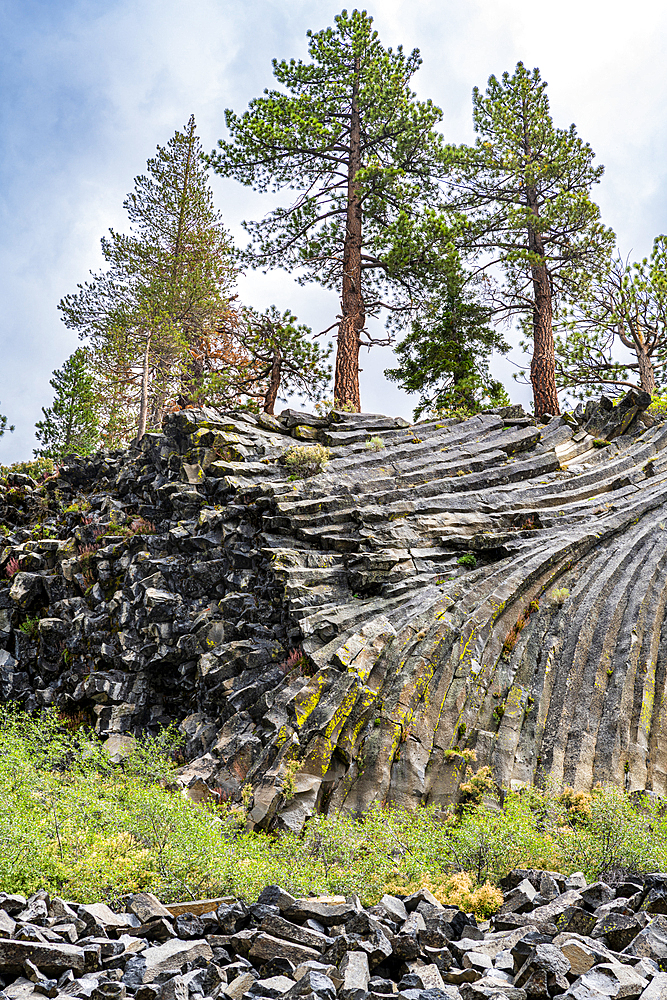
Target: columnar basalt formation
[(183, 580)]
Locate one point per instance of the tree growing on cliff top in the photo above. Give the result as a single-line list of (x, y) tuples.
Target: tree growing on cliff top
[(625, 306), (361, 151), (285, 359), (70, 424), (167, 283), (445, 357), (525, 187)]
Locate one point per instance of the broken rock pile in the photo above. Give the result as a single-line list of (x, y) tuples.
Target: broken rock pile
[(553, 936)]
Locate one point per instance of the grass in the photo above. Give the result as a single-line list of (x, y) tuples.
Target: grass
[(88, 829)]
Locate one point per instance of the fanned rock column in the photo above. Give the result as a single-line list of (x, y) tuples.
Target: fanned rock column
[(492, 585)]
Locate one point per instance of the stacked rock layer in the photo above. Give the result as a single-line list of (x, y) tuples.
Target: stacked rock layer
[(486, 585)]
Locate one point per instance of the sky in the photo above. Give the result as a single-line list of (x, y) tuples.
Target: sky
[(89, 88)]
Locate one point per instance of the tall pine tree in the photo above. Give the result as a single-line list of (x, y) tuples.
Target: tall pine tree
[(525, 186), (167, 282), (347, 133), (70, 424)]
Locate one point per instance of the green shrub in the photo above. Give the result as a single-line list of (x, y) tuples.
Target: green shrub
[(38, 468), (88, 829), (374, 444), (658, 407), (469, 560), (559, 595), (305, 460)]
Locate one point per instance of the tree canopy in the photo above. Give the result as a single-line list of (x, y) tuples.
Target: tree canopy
[(346, 133), (445, 357)]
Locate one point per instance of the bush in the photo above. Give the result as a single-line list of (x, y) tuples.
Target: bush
[(658, 407), (469, 560), (374, 444), (38, 468), (89, 829), (305, 460)]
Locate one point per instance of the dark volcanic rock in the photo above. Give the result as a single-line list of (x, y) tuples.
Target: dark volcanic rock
[(189, 579)]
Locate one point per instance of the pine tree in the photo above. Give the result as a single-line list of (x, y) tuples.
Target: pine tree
[(445, 357), (525, 186), (167, 283), (70, 424), (624, 307), (347, 133), (285, 357)]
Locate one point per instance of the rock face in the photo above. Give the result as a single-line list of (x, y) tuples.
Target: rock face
[(174, 581), (228, 950)]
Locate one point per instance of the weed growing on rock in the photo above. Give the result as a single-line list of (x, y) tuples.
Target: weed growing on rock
[(12, 567), (325, 407), (469, 560), (30, 627), (305, 460), (374, 443), (559, 595), (289, 783), (296, 664)]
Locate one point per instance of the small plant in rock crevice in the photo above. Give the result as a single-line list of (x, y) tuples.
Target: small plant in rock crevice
[(305, 460), (12, 567), (469, 560), (289, 779), (374, 443), (559, 596), (30, 627), (296, 664), (512, 636)]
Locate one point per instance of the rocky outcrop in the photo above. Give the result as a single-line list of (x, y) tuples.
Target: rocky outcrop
[(490, 585), (553, 936)]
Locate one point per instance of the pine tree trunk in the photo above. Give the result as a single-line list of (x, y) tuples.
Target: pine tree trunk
[(193, 366), (274, 382), (346, 384), (646, 373), (143, 409), (543, 364)]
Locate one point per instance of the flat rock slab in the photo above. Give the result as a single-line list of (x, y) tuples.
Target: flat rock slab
[(280, 928), (147, 907), (316, 909), (198, 906), (51, 959), (266, 947)]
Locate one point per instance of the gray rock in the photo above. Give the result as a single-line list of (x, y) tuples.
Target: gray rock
[(50, 959), (170, 957), (356, 975), (266, 946)]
